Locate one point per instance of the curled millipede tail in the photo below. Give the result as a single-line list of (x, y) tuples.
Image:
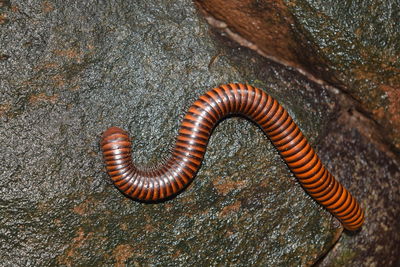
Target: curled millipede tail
[(191, 143)]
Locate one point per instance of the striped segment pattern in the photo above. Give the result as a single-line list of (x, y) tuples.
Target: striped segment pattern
[(191, 143)]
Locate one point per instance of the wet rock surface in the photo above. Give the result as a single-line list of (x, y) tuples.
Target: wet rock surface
[(358, 45), (269, 28), (375, 179), (351, 45), (361, 42), (72, 70)]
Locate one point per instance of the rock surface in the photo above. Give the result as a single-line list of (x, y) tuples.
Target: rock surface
[(71, 69), (357, 44), (375, 179), (74, 69), (361, 41), (351, 45)]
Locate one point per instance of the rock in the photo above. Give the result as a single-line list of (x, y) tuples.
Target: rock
[(375, 179), (356, 49), (361, 40), (352, 46), (71, 69)]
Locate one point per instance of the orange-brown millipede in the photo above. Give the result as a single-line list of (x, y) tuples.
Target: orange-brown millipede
[(191, 143)]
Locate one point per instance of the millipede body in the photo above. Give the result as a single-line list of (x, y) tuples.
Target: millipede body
[(191, 143)]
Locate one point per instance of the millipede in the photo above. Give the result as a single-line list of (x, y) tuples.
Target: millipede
[(170, 178)]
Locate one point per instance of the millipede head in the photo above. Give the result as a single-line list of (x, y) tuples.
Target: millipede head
[(115, 142), (111, 131)]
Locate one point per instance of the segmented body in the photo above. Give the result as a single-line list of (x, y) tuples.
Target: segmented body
[(191, 143)]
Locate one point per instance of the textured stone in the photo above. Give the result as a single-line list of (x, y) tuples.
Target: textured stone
[(361, 40), (269, 28), (376, 180), (357, 43), (351, 45), (71, 69)]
